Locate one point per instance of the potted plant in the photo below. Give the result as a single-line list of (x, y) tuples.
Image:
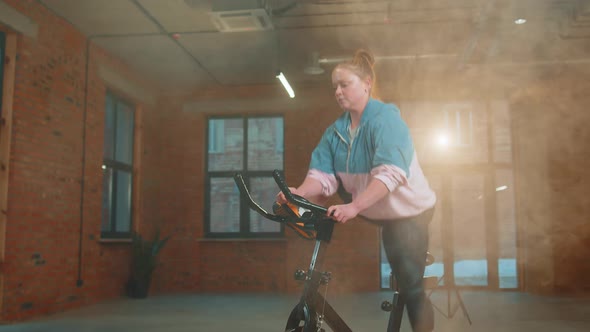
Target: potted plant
[(143, 263)]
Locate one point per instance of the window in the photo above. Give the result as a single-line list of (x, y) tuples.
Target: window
[(216, 138), (117, 168), (254, 147), (459, 120), (473, 235)]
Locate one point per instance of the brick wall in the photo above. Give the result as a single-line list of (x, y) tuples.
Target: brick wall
[(50, 145), (553, 169), (172, 195)]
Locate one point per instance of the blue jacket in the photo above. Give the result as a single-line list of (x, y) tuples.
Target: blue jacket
[(381, 149)]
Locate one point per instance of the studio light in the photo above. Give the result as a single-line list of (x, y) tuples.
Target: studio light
[(285, 83), (442, 140)]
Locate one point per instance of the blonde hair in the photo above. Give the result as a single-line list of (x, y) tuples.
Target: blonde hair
[(361, 65)]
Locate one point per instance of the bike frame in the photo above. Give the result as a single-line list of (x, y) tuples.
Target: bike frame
[(313, 309)]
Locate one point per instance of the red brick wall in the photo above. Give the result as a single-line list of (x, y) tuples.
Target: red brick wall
[(44, 197), (172, 195), (552, 130), (238, 266)]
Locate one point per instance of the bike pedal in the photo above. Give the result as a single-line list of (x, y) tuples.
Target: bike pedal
[(386, 306), (300, 275)]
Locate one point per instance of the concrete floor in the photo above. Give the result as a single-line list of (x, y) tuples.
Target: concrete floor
[(489, 311)]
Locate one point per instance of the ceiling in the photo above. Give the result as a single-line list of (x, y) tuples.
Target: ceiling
[(176, 43)]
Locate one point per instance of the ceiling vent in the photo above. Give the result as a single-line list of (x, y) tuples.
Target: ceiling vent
[(243, 15), (241, 20)]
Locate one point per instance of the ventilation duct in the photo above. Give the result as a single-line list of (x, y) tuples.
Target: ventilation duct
[(243, 15)]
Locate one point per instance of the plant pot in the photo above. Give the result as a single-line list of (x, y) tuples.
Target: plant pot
[(138, 288)]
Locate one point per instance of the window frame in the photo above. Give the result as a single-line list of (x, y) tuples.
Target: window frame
[(115, 166), (244, 213)]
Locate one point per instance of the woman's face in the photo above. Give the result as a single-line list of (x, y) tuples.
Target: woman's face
[(351, 92)]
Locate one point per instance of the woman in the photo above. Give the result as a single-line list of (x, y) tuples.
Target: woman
[(369, 152)]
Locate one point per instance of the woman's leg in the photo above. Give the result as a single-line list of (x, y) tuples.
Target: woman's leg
[(406, 243)]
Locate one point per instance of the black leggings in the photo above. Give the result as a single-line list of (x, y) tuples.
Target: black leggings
[(406, 244)]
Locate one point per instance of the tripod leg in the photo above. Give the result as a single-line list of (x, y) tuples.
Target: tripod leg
[(463, 308)]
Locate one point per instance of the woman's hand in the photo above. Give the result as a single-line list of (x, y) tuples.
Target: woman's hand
[(343, 213), (281, 197)]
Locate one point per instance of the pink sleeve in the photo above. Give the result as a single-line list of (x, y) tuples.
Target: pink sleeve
[(328, 181), (392, 176)]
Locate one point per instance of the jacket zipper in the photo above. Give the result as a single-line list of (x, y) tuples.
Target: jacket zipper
[(349, 148)]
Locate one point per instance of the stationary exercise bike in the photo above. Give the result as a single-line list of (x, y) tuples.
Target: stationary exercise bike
[(311, 222)]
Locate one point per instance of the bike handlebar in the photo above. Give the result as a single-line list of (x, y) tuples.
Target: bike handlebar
[(317, 211), (239, 180), (312, 224), (295, 199)]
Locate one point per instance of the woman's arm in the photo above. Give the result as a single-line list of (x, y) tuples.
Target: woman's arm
[(310, 189), (375, 191)]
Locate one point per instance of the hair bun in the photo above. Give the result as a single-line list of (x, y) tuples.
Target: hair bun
[(365, 56)]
